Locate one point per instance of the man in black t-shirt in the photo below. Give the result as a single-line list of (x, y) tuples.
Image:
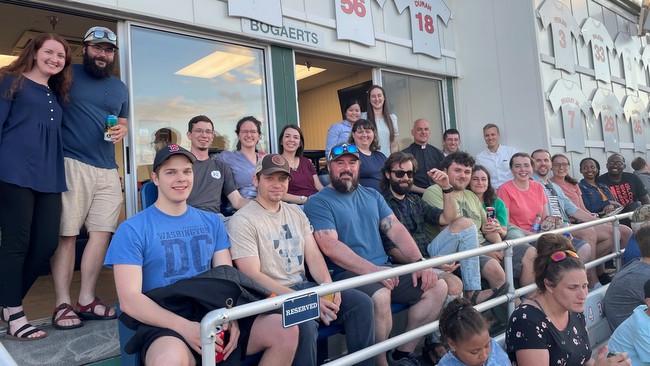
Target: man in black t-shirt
[(627, 188)]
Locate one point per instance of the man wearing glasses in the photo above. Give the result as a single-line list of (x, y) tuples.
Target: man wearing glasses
[(94, 196), (627, 188), (347, 220), (211, 177)]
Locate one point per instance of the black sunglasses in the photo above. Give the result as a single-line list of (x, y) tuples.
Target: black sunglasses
[(401, 173)]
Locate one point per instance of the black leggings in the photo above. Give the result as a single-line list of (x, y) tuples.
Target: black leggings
[(29, 235)]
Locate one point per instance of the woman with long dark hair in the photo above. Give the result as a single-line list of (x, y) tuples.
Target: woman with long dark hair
[(304, 180), (32, 175), (385, 122), (340, 132)]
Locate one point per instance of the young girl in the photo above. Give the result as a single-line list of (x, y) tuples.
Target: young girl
[(466, 332)]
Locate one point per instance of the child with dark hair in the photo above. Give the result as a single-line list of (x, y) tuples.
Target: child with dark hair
[(549, 328), (466, 333)]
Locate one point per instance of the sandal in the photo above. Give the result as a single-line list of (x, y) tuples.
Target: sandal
[(65, 315), (433, 352), (496, 292), (25, 336), (87, 312)]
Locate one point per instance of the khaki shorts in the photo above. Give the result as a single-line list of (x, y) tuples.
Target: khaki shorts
[(93, 199)]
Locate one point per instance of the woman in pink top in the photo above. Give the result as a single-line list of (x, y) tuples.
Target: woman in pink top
[(604, 234), (524, 197)]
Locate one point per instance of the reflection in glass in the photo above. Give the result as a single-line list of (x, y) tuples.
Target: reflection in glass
[(176, 77)]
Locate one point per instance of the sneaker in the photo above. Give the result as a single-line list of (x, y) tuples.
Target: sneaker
[(409, 360)]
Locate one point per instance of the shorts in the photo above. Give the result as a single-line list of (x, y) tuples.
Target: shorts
[(518, 252), (404, 293), (245, 326), (93, 199)]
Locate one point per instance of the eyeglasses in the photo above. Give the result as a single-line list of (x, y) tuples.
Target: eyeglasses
[(562, 255), (199, 131), (244, 132), (616, 163), (99, 34), (100, 49), (561, 165), (338, 150), (401, 173)]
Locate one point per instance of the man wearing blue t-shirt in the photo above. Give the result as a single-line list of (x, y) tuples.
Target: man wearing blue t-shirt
[(94, 196), (170, 241), (347, 220)]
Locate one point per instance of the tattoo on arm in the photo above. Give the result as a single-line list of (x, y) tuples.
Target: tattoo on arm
[(386, 224), (322, 233)]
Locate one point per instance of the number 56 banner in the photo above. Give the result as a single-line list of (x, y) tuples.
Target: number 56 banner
[(354, 21)]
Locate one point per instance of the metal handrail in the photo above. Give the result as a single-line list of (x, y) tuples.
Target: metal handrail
[(223, 315)]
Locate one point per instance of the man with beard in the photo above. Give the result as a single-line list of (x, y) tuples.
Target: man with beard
[(347, 220), (94, 196), (627, 188), (427, 156), (211, 177), (273, 244), (415, 214)]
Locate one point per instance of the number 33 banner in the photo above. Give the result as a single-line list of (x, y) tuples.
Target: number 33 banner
[(569, 98)]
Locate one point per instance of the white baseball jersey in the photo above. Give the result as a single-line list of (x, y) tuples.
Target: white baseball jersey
[(265, 11), (635, 111), (563, 28), (627, 49), (594, 32), (354, 21), (608, 108), (424, 23), (569, 98)]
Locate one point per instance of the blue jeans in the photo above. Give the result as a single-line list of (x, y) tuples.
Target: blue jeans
[(357, 316), (448, 243)]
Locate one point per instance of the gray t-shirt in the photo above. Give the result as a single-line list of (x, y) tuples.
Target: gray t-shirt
[(625, 292), (211, 179)]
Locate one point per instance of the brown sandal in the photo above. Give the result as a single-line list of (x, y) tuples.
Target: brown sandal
[(65, 315), (87, 312)]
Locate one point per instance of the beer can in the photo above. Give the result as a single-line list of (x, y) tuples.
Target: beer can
[(221, 334), (491, 214), (111, 121)]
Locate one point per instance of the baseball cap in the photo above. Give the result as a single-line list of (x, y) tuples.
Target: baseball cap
[(97, 34), (343, 149), (272, 163), (169, 150), (646, 288)]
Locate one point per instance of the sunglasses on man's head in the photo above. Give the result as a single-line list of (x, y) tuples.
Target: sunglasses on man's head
[(562, 255), (401, 173), (338, 150), (99, 34)]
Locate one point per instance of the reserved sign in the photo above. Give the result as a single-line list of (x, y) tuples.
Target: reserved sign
[(300, 309)]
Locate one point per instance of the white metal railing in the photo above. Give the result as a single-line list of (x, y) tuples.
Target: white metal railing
[(223, 315)]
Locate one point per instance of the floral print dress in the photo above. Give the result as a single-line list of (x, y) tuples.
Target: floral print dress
[(529, 328)]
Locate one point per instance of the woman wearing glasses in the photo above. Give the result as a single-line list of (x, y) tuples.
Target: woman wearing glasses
[(32, 174), (242, 161), (304, 180), (604, 233), (549, 328), (364, 136)]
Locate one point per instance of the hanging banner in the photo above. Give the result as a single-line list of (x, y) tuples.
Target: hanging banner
[(424, 23), (627, 49), (607, 107), (635, 111), (595, 33), (354, 21), (569, 98), (563, 28)]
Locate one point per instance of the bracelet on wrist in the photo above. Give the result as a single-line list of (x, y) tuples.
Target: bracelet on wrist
[(448, 190)]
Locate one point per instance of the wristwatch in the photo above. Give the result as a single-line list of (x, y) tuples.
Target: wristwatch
[(303, 199), (448, 190)]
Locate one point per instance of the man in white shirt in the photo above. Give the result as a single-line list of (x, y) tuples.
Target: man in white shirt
[(496, 158)]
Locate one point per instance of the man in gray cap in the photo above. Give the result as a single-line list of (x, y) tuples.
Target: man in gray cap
[(94, 196)]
